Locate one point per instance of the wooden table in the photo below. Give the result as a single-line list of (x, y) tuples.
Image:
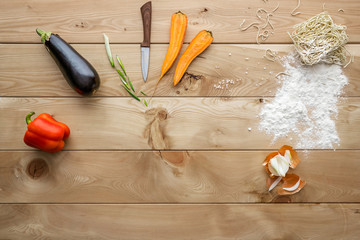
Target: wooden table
[(187, 167)]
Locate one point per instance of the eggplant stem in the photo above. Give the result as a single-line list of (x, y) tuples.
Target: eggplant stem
[(45, 36), (28, 117)]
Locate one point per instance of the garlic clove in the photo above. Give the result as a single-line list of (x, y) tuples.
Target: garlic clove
[(294, 160), (279, 165)]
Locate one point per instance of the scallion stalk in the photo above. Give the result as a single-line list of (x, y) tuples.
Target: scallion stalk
[(121, 64), (125, 84), (123, 68), (133, 95), (121, 75), (108, 51)]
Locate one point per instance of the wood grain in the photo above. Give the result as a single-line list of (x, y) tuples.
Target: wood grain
[(170, 123), (85, 21), (325, 221), (170, 177), (111, 183), (34, 73)]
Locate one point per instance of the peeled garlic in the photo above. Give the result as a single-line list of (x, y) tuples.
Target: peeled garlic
[(279, 165)]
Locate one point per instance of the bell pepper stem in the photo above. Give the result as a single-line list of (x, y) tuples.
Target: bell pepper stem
[(45, 36), (28, 117)]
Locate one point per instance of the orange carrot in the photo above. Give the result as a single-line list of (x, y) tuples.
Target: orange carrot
[(177, 34), (202, 40)]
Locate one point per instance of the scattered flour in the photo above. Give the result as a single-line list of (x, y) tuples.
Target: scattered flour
[(305, 105), (224, 84)]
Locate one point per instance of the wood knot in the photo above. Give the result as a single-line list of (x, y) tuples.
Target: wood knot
[(190, 83), (156, 113), (192, 76), (81, 25), (204, 10), (37, 168), (155, 130), (162, 115), (173, 157)]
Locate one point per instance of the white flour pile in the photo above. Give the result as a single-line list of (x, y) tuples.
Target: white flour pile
[(306, 105)]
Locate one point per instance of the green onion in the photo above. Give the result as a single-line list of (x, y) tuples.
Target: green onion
[(133, 95), (125, 84), (121, 74), (125, 80), (131, 85), (108, 51), (121, 64), (143, 93), (123, 68)]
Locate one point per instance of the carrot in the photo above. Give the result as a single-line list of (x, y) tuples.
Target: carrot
[(202, 40), (177, 34)]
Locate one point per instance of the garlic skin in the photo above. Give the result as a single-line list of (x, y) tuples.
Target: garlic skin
[(293, 188), (287, 155), (275, 183), (279, 165)]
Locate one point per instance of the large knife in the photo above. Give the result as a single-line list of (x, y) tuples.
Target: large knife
[(145, 45)]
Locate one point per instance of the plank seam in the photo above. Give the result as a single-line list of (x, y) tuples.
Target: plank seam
[(182, 150), (160, 43), (129, 97), (182, 203)]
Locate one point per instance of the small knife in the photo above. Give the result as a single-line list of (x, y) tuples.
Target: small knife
[(145, 45)]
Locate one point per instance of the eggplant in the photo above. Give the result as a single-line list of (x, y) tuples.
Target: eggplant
[(78, 72)]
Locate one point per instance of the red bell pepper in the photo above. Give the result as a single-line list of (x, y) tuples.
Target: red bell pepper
[(45, 133)]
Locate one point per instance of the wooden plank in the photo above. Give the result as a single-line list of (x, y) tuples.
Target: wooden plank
[(85, 21), (245, 221), (170, 177), (28, 70), (169, 123)]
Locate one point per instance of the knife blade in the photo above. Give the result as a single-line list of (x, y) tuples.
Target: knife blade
[(145, 45)]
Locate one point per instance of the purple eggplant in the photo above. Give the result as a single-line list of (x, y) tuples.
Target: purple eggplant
[(78, 72)]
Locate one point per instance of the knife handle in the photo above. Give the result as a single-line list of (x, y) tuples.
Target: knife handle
[(146, 18)]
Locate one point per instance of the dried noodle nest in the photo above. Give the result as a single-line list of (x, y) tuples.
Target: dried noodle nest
[(320, 40)]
